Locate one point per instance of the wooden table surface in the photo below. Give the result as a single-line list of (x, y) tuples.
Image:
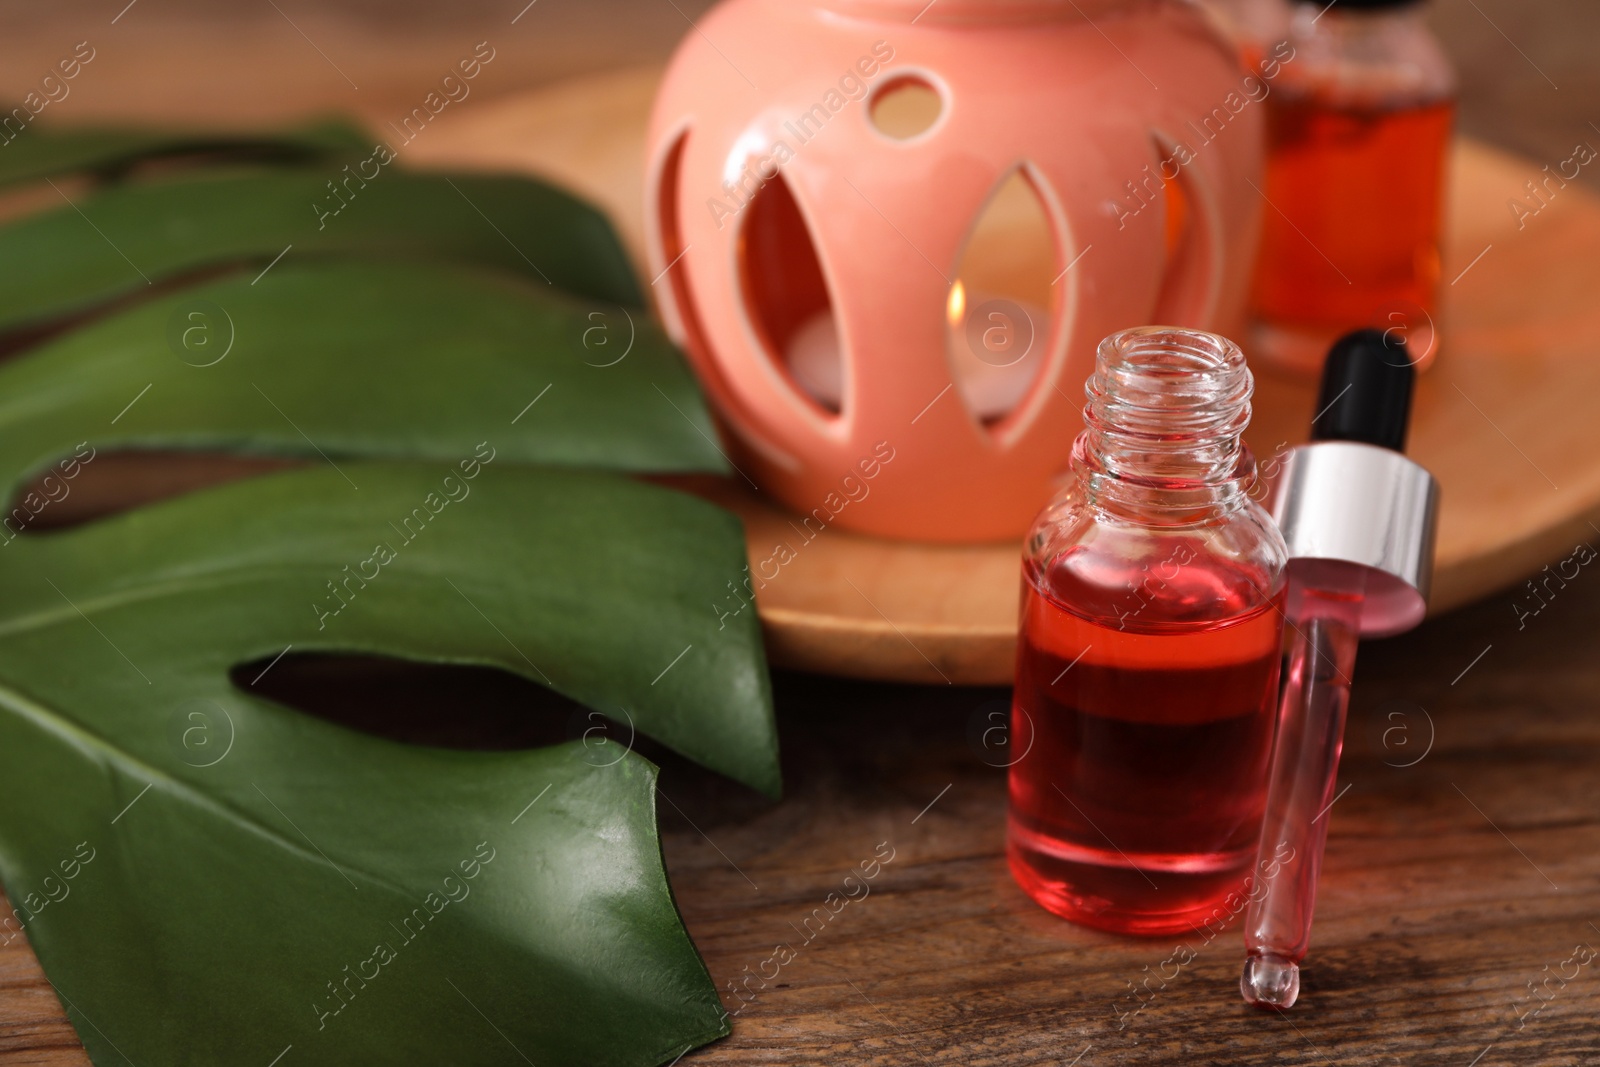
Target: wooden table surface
[(1463, 864)]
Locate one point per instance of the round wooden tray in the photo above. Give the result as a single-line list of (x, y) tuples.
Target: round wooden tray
[(1506, 419)]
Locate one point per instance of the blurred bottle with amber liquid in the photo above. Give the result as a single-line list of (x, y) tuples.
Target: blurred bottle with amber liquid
[(1358, 127)]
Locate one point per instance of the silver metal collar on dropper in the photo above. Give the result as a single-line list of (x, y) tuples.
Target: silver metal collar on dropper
[(1358, 518), (1350, 496)]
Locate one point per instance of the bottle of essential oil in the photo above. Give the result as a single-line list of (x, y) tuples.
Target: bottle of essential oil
[(1253, 27), (1147, 665), (1358, 127)]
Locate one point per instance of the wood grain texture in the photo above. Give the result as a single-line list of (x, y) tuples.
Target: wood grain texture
[(1450, 884), (1440, 902), (1505, 420), (1430, 922)]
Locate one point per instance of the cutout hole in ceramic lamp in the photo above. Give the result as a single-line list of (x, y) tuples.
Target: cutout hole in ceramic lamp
[(786, 297), (906, 106), (999, 312)]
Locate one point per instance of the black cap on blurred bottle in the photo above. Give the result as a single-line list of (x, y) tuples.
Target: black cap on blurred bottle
[(1366, 391), (1366, 5)]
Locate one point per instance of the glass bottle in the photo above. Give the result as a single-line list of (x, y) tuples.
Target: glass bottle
[(1252, 26), (1358, 129), (1147, 663)]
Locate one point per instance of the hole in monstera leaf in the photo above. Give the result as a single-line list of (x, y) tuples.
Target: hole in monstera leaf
[(29, 335), (437, 704), (486, 709), (183, 156), (25, 198), (87, 485)]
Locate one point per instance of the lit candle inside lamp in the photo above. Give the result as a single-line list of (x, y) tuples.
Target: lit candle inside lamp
[(995, 346), (955, 308), (993, 354)]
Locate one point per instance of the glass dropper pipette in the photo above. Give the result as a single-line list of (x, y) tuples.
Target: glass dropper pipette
[(1359, 520)]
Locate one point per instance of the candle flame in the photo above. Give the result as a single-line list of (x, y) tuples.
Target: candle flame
[(956, 308)]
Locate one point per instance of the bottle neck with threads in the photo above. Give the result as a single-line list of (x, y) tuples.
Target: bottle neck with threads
[(1374, 54), (1162, 443)]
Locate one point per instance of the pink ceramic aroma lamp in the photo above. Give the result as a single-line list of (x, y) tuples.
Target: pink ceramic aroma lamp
[(816, 173)]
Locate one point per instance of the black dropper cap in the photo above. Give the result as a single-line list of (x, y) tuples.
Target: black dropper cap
[(1366, 391)]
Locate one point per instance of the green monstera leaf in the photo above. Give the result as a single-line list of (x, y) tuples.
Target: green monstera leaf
[(109, 153), (288, 882), (348, 358), (209, 876), (129, 237)]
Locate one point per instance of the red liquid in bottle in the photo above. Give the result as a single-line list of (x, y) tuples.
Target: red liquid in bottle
[(1145, 707), (1350, 237)]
